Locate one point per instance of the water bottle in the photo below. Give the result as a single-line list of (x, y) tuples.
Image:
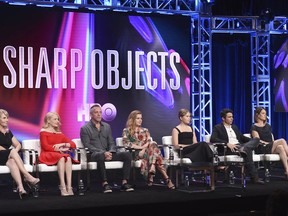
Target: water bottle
[(171, 155), (207, 180), (186, 182), (215, 158), (35, 190), (267, 175), (81, 189), (231, 177)]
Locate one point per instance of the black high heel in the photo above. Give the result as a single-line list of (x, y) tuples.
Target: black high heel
[(169, 184), (34, 186), (150, 181), (22, 193)]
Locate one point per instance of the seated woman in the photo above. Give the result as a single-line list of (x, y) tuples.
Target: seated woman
[(137, 137), (11, 158), (183, 136), (268, 145), (55, 150)]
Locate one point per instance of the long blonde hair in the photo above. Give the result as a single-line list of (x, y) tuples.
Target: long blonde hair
[(4, 112), (47, 118), (130, 124)]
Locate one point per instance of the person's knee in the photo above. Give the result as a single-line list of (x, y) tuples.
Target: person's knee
[(11, 163)]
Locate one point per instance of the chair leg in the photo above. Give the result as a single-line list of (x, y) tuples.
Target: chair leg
[(88, 179)]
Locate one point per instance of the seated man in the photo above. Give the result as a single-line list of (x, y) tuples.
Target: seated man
[(228, 133), (96, 135)]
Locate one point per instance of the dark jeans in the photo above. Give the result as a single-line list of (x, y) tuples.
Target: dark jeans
[(117, 156), (249, 163)]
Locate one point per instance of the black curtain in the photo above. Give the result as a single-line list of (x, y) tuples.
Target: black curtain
[(231, 78)]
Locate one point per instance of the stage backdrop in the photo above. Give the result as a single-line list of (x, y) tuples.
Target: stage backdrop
[(62, 60)]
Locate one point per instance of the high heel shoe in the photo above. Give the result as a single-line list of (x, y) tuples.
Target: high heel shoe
[(169, 184), (70, 191), (152, 170), (22, 193), (150, 180), (32, 184), (63, 191)]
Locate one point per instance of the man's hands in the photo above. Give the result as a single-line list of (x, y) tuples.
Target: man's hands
[(108, 156), (233, 147)]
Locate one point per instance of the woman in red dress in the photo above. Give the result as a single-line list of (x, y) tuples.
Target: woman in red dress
[(55, 149)]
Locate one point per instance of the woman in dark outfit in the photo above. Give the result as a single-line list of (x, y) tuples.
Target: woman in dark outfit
[(183, 136), (9, 156)]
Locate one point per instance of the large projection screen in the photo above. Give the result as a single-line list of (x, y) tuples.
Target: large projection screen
[(67, 60), (279, 70)]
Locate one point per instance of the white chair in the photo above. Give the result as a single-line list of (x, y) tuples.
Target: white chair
[(31, 151), (268, 159), (233, 160), (167, 145), (5, 169), (88, 165), (180, 162)]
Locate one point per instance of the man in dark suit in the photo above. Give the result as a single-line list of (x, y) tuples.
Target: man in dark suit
[(228, 133)]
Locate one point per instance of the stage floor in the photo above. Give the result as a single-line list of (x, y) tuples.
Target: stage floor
[(151, 200)]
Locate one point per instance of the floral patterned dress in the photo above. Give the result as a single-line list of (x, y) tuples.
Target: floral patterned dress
[(152, 153)]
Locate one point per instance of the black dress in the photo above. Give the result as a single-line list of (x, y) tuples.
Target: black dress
[(265, 134), (197, 152), (5, 142)]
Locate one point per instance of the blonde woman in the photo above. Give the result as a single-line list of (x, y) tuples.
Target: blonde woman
[(55, 148), (137, 137), (9, 156)]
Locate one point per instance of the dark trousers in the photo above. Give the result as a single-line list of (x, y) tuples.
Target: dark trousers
[(249, 163), (125, 157)]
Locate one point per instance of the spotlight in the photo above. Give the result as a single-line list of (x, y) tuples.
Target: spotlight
[(207, 1)]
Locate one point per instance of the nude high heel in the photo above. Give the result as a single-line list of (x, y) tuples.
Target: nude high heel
[(63, 191), (70, 191)]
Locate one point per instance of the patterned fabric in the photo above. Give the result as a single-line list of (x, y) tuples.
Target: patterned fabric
[(152, 153)]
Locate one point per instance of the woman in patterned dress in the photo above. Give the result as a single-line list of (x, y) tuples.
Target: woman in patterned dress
[(137, 137)]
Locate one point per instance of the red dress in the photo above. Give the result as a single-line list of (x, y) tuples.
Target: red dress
[(48, 155)]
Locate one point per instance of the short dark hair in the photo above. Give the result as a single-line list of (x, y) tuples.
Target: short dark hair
[(224, 112), (93, 106)]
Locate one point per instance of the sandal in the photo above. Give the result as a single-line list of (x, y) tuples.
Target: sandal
[(152, 170), (150, 181), (169, 184)]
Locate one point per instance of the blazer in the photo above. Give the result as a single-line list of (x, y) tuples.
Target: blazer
[(219, 134)]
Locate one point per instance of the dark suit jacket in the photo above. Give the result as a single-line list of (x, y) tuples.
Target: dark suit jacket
[(219, 135)]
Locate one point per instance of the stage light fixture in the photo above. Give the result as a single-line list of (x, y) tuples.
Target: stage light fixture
[(207, 1)]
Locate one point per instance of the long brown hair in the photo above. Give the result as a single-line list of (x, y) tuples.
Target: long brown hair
[(257, 112), (130, 124)]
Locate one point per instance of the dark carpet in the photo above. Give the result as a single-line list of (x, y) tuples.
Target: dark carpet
[(158, 199)]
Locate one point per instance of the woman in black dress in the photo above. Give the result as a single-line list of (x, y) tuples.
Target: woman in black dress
[(183, 136), (268, 145), (9, 156)]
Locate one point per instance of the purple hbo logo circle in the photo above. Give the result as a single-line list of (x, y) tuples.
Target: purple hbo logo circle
[(109, 112)]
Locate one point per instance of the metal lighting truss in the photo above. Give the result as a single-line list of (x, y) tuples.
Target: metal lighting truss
[(201, 76), (164, 6), (260, 58), (260, 71)]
